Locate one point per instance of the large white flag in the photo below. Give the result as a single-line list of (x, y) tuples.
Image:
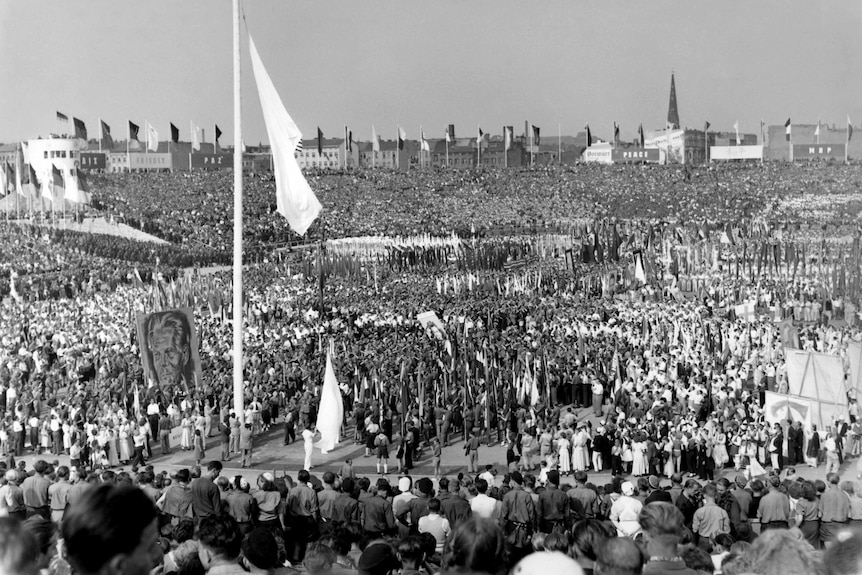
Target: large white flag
[(375, 141), (152, 138), (294, 197), (330, 413), (197, 137)]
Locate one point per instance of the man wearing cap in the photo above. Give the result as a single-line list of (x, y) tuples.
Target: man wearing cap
[(774, 508), (742, 496), (519, 515), (35, 488), (553, 506), (176, 500), (656, 493), (418, 507), (240, 505), (378, 519)]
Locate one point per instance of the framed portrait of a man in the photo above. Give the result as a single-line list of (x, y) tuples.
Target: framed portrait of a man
[(169, 349)]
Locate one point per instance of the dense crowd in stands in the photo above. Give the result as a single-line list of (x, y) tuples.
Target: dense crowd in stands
[(576, 363)]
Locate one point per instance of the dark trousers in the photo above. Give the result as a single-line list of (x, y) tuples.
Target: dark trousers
[(138, 457), (43, 512)]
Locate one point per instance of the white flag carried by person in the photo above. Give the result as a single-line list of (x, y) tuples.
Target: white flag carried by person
[(330, 414), (152, 138), (294, 198)]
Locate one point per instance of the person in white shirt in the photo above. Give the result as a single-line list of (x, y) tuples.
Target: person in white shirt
[(488, 475), (435, 524), (624, 512), (481, 505)]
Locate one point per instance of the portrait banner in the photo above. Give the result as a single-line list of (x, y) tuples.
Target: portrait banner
[(169, 350)]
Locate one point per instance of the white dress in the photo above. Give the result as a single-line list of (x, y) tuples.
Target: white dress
[(638, 459), (563, 446), (579, 451)]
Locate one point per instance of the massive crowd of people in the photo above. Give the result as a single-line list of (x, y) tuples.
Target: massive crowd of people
[(569, 326)]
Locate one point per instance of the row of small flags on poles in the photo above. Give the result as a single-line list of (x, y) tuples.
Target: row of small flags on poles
[(196, 132), (21, 178), (151, 134)]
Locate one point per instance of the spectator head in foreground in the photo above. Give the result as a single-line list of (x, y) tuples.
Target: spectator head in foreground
[(546, 562), (619, 556), (219, 541), (782, 552), (19, 551), (845, 556), (475, 545), (112, 529), (663, 525)]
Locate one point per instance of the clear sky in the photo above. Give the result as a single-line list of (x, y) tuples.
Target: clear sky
[(466, 62)]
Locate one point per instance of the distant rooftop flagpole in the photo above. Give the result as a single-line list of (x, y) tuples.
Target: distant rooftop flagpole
[(237, 219)]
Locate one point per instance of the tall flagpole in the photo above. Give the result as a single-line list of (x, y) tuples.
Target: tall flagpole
[(559, 144), (237, 219)]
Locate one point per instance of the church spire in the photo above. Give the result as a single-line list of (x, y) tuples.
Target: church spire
[(672, 112)]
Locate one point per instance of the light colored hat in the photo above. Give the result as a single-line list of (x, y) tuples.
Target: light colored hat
[(404, 484), (628, 488)]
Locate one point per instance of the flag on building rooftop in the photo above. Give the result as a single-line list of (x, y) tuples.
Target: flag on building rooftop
[(425, 146), (175, 134), (133, 130), (319, 142), (736, 128), (448, 137), (508, 136), (589, 136), (536, 135), (61, 117), (849, 129), (80, 129), (402, 137), (375, 141), (641, 133), (106, 138), (294, 198), (787, 129)]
